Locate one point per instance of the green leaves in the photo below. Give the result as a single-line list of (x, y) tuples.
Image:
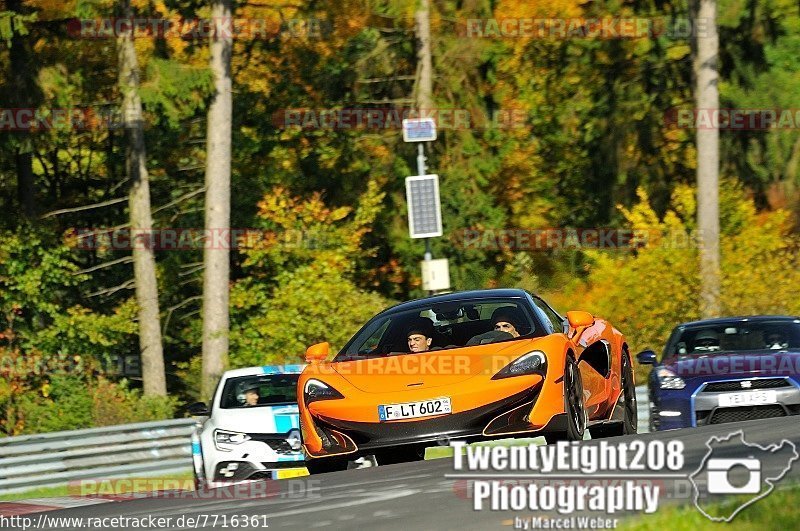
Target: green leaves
[(299, 288), (12, 23)]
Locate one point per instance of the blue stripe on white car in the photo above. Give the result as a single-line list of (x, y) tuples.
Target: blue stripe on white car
[(282, 369)]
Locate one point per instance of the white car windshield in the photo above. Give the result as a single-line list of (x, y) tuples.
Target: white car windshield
[(259, 390)]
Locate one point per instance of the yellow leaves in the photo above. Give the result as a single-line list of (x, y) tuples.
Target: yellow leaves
[(646, 293), (684, 201), (642, 215), (678, 51), (538, 9), (144, 50), (56, 9), (339, 213)]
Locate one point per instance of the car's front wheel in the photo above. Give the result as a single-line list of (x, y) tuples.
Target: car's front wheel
[(574, 408)]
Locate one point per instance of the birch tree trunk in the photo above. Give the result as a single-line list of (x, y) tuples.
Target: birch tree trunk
[(422, 20), (218, 196), (144, 263), (707, 97)]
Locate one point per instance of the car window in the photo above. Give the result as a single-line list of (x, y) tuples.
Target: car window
[(552, 317), (267, 389), (451, 324), (736, 337)]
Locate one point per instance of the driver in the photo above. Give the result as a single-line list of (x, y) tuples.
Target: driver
[(775, 341), (251, 396), (420, 336), (506, 320), (706, 341)]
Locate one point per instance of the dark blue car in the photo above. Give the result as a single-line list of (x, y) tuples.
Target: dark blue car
[(725, 370)]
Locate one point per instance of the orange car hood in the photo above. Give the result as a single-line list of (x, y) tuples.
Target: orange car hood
[(436, 368)]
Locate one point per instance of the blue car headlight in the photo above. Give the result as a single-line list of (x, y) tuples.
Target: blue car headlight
[(530, 363), (669, 380)]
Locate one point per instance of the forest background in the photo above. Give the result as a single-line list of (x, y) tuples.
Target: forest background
[(562, 131)]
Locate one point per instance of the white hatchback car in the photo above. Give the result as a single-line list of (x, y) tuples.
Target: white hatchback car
[(252, 430)]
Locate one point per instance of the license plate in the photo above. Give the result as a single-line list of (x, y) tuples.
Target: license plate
[(415, 410), (291, 473), (747, 399)]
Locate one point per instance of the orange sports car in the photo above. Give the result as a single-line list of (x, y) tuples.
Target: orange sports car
[(470, 365)]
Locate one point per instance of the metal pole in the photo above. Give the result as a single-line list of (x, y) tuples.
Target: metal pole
[(421, 170)]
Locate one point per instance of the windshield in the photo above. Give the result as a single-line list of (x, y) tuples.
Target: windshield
[(441, 326), (736, 337), (259, 390)]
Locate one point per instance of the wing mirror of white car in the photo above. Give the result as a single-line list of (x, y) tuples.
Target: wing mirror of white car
[(198, 409)]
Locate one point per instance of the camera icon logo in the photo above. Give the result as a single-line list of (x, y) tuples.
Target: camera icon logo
[(734, 467), (719, 481)]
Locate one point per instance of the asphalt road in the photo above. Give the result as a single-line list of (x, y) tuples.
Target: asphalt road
[(411, 495)]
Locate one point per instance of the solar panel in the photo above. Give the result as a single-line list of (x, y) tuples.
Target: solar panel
[(424, 208), (419, 130)]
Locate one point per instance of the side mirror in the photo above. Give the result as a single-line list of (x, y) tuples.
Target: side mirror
[(198, 409), (318, 352), (579, 319), (646, 357)]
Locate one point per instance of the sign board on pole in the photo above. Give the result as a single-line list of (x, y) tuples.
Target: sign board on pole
[(435, 275), (424, 208), (419, 130)]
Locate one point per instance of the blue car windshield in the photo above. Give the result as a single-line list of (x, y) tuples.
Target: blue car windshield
[(739, 336)]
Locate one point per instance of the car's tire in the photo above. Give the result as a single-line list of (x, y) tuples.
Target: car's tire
[(630, 420), (323, 465), (574, 407)]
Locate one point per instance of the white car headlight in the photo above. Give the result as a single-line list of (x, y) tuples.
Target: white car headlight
[(669, 380), (229, 437)]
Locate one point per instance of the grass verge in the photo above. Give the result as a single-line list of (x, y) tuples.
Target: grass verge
[(439, 452), (139, 484), (779, 511)]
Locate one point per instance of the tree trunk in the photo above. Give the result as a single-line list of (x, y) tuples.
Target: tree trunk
[(707, 96), (24, 93), (218, 198), (144, 263), (422, 21)]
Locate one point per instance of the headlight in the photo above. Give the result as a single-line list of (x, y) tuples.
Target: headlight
[(669, 380), (229, 437), (530, 363), (315, 390)]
